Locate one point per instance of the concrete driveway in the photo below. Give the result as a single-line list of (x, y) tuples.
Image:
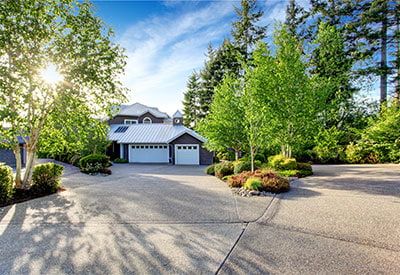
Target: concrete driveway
[(175, 219)]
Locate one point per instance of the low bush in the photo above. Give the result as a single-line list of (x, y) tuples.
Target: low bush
[(252, 184), (46, 178), (295, 173), (304, 166), (94, 163), (275, 184), (223, 169), (279, 162), (242, 165), (119, 160), (6, 183), (210, 170), (271, 182)]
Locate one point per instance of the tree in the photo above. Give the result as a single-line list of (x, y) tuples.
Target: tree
[(330, 64), (295, 19), (67, 137), (36, 34), (190, 101), (223, 127), (245, 31)]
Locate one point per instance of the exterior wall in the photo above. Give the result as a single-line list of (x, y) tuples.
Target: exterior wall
[(153, 118), (7, 156), (206, 157), (120, 119)]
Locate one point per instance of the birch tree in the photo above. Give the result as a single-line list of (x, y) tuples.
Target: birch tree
[(66, 38)]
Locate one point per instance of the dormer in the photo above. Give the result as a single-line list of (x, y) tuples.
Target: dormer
[(177, 118)]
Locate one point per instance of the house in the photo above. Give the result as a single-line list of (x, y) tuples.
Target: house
[(142, 134), (7, 156)]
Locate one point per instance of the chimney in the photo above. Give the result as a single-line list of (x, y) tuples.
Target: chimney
[(177, 118)]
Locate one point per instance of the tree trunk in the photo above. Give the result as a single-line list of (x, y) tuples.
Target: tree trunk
[(383, 63), (31, 154), (237, 154), (397, 58), (18, 166), (252, 158), (286, 151)]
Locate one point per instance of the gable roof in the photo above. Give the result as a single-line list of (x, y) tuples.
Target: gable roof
[(138, 109), (150, 133), (177, 114)]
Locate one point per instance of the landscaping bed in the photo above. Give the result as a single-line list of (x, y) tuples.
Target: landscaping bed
[(272, 177)]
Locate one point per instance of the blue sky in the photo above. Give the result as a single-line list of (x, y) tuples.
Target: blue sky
[(166, 41)]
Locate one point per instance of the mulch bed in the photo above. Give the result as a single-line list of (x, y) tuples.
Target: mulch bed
[(21, 195)]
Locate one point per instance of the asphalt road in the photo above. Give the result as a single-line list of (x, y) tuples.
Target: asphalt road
[(170, 219)]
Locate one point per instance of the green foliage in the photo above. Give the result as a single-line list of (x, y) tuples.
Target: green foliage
[(223, 127), (46, 178), (223, 169), (190, 101), (243, 165), (252, 184), (327, 145), (6, 183), (380, 142), (280, 162), (94, 163), (210, 170), (119, 160), (304, 166)]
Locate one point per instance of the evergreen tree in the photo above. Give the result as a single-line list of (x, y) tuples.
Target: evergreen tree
[(295, 19), (190, 101), (245, 31)]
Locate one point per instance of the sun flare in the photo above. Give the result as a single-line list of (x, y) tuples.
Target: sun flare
[(51, 75)]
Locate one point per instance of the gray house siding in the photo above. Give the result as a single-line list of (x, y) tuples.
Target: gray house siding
[(206, 157), (120, 119), (7, 156)]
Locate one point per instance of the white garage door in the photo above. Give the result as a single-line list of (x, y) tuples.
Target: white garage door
[(187, 154), (146, 153)]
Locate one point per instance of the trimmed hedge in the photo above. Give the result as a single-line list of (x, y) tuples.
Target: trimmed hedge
[(46, 178), (95, 163), (281, 163), (119, 160), (210, 170), (223, 169), (6, 183)]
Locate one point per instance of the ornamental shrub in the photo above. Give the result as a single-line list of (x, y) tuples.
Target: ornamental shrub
[(223, 169), (94, 163), (253, 184), (275, 184), (243, 165), (210, 170), (119, 160), (6, 183), (279, 162), (46, 178)]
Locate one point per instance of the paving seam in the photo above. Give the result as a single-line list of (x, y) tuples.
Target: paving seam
[(298, 230)]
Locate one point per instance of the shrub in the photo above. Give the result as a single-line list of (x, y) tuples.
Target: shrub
[(210, 170), (281, 163), (94, 163), (289, 173), (223, 169), (6, 183), (304, 166), (327, 148), (46, 178), (240, 179), (119, 160), (252, 184), (275, 184), (244, 165)]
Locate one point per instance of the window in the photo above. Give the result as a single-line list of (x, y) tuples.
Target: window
[(165, 147), (151, 146), (130, 121), (142, 146), (121, 129), (147, 147), (147, 120)]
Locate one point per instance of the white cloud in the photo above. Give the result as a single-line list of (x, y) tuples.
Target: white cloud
[(163, 51)]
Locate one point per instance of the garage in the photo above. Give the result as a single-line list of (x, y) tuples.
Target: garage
[(187, 154), (149, 153)]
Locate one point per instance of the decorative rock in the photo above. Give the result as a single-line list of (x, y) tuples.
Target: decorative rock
[(254, 193)]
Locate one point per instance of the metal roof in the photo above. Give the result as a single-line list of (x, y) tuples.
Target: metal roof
[(150, 133), (138, 109), (177, 114)]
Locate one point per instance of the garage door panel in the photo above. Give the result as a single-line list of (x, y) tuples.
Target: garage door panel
[(187, 154), (147, 153)]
